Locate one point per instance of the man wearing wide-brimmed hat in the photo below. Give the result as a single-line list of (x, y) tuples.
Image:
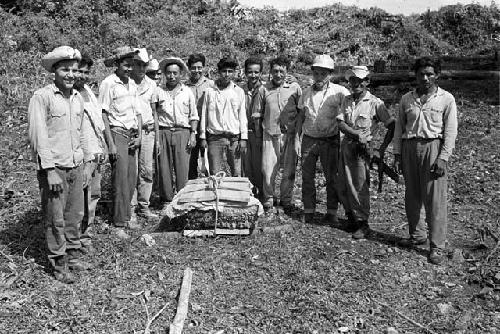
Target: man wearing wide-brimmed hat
[(122, 120), (177, 122), (359, 112), (153, 71), (58, 136), (319, 106)]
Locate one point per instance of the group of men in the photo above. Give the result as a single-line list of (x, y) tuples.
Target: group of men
[(140, 120)]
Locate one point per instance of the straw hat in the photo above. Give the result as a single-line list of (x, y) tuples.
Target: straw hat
[(324, 61), (357, 71), (60, 53), (120, 53), (173, 60), (153, 65)]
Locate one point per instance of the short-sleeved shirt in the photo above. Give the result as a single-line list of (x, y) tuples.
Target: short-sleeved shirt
[(364, 113), (119, 100), (432, 119), (254, 103), (224, 112), (145, 91), (177, 108), (56, 128), (280, 108), (321, 109)]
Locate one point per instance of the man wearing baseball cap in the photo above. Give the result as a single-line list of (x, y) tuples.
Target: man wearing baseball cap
[(360, 111), (58, 136), (319, 106), (122, 121)]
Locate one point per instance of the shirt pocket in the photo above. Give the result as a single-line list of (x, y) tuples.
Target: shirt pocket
[(436, 115), (56, 119), (363, 121), (185, 108)]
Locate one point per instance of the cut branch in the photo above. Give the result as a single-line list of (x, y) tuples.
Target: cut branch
[(182, 308)]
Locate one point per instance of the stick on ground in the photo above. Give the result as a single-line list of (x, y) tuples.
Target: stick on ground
[(182, 307), (406, 318)]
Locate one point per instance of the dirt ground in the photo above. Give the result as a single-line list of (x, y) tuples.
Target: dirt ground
[(310, 279)]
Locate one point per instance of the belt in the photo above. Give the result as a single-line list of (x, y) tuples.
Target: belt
[(174, 128), (148, 127), (422, 139), (330, 138), (124, 132), (223, 135)]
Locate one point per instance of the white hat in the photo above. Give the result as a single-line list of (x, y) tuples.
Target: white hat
[(60, 53), (324, 61), (118, 54), (173, 60), (357, 71), (142, 55), (153, 65)]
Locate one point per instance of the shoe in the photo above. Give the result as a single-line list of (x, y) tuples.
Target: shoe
[(134, 225), (78, 265), (309, 218), (268, 205), (362, 231), (146, 213), (65, 277), (436, 256), (289, 209), (330, 219), (412, 242), (121, 234)]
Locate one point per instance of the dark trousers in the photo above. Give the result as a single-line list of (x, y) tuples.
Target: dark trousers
[(124, 178), (327, 150), (193, 160), (174, 155), (91, 195), (252, 162), (220, 145), (62, 214)]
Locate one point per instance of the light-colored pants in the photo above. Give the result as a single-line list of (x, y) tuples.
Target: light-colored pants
[(327, 150), (62, 213), (274, 149), (422, 188), (142, 193), (92, 194), (354, 180), (220, 146), (252, 162)]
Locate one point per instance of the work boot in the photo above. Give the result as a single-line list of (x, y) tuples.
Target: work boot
[(437, 256), (75, 262), (146, 213), (289, 209), (362, 230), (309, 218), (61, 272), (412, 242), (87, 249), (330, 219)]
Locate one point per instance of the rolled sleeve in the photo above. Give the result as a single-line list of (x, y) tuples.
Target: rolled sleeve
[(38, 133), (450, 130)]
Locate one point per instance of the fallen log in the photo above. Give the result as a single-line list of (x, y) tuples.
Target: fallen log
[(182, 307)]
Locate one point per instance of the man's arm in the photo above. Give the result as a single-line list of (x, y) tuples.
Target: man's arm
[(193, 119), (204, 120), (398, 133), (108, 137)]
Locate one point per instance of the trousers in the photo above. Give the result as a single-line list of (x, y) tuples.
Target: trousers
[(92, 194), (252, 162), (220, 146), (142, 192)]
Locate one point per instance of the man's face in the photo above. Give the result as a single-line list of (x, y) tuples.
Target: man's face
[(278, 74), (172, 75), (253, 73), (196, 71), (65, 73), (358, 86), (226, 75), (321, 77), (83, 76), (124, 67), (154, 75), (138, 70), (426, 78)]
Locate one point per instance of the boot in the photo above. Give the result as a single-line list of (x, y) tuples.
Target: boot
[(75, 262), (61, 272)]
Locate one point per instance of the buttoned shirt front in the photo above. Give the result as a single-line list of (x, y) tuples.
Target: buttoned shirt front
[(198, 88), (120, 102), (364, 113), (280, 107), (321, 109), (254, 103), (177, 108), (93, 115), (434, 118), (224, 112), (145, 91), (56, 128)]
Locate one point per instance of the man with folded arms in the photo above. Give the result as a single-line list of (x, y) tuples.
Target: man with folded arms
[(177, 122), (122, 121), (224, 120), (58, 136)]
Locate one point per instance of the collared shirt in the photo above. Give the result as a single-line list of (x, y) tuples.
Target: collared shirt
[(177, 107), (145, 91), (93, 117), (280, 110), (224, 112), (364, 113), (434, 118), (119, 101), (199, 89), (56, 128), (320, 110), (254, 103)]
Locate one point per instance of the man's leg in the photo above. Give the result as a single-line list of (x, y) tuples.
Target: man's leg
[(120, 175), (254, 160), (165, 170), (92, 195), (270, 165), (216, 147), (193, 160), (234, 157), (289, 170), (145, 184), (310, 152), (329, 157), (181, 154)]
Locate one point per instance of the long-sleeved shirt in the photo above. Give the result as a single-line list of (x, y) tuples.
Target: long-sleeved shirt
[(177, 107), (57, 132), (120, 102), (435, 118), (254, 103), (93, 115), (280, 107), (145, 92), (224, 112), (321, 109), (361, 114)]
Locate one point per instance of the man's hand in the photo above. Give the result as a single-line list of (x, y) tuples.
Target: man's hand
[(134, 143), (192, 141), (397, 163), (55, 181), (203, 143), (242, 146), (88, 170), (438, 168), (112, 152)]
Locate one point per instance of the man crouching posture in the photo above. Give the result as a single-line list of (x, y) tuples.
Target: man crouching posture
[(426, 129), (58, 137)]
